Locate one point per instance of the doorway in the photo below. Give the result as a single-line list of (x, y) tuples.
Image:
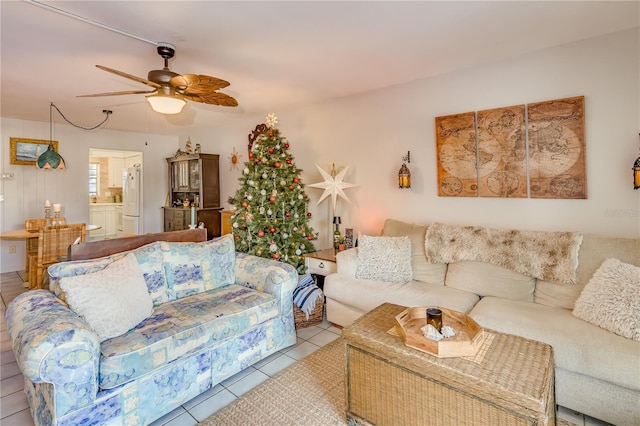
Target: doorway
[(115, 178)]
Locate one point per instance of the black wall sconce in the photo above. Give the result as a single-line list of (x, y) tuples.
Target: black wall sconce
[(404, 174)]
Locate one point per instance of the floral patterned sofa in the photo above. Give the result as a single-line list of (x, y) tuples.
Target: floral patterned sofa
[(214, 313)]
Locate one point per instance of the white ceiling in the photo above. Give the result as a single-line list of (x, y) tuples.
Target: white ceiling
[(275, 54)]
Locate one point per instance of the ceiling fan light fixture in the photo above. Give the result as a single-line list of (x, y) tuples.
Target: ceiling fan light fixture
[(166, 104)]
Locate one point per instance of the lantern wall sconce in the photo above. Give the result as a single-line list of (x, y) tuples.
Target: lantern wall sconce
[(636, 173), (404, 174)]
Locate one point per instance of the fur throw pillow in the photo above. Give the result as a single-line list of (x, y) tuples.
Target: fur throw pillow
[(611, 299)]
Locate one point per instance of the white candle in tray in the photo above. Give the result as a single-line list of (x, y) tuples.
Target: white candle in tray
[(47, 203), (56, 208)]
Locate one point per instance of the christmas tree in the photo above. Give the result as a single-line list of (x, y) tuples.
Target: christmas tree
[(271, 217)]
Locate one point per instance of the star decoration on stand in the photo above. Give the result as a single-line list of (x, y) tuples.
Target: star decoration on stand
[(333, 185)]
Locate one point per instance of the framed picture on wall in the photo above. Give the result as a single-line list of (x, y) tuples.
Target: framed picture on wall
[(25, 152)]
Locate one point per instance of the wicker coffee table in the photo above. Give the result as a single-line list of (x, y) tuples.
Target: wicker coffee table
[(388, 383)]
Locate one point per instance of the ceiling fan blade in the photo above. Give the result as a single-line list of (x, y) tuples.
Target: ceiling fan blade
[(197, 83), (129, 76), (212, 98), (127, 92)]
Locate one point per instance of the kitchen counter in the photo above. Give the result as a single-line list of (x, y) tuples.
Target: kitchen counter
[(105, 204)]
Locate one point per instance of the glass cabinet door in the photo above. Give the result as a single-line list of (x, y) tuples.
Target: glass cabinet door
[(194, 175)]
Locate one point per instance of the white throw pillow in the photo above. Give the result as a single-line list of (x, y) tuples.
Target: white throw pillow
[(384, 259), (113, 300), (611, 299)]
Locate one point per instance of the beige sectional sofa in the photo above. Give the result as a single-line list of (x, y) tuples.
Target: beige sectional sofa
[(597, 371)]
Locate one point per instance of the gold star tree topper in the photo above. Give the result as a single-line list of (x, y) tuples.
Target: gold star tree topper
[(333, 185)]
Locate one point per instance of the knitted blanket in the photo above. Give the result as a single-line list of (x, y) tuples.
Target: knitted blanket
[(306, 294), (551, 256)]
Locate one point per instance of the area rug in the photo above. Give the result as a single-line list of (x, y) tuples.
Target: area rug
[(311, 392)]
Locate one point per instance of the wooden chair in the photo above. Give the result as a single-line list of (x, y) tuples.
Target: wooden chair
[(32, 225), (53, 243)]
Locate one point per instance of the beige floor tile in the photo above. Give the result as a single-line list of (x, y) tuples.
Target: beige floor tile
[(21, 418), (12, 404)]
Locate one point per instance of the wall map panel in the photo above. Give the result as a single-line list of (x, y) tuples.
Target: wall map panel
[(485, 153), (456, 144), (557, 149)]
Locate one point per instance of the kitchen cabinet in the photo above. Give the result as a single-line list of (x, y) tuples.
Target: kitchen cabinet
[(104, 215), (194, 180), (115, 172)]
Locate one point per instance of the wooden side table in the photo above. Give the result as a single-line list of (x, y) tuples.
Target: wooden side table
[(320, 264), (225, 226)]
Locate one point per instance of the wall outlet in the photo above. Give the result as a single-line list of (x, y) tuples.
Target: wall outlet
[(12, 249), (6, 176)]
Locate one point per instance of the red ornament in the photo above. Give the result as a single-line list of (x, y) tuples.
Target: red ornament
[(287, 214), (244, 204), (288, 160), (257, 160), (261, 234), (271, 134), (272, 230), (309, 214), (296, 180), (277, 165), (272, 199), (270, 150), (290, 186), (251, 155), (286, 145), (276, 256), (309, 237), (237, 237)]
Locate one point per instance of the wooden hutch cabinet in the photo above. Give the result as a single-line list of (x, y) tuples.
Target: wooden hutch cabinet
[(194, 178)]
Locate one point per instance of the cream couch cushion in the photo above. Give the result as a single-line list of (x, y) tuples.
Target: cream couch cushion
[(577, 345), (368, 294), (485, 279), (593, 251), (432, 273)]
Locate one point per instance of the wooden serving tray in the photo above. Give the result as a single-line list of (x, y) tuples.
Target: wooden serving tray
[(467, 341)]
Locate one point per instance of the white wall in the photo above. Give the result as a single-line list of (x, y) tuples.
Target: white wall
[(24, 196), (371, 133)]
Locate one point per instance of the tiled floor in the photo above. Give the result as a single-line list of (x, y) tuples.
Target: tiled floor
[(13, 403)]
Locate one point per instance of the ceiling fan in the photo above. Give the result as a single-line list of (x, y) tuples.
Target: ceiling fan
[(170, 89)]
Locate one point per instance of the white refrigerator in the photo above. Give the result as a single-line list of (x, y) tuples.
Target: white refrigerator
[(131, 202)]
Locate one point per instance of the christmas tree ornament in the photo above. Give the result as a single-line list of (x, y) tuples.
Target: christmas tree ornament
[(261, 234)]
